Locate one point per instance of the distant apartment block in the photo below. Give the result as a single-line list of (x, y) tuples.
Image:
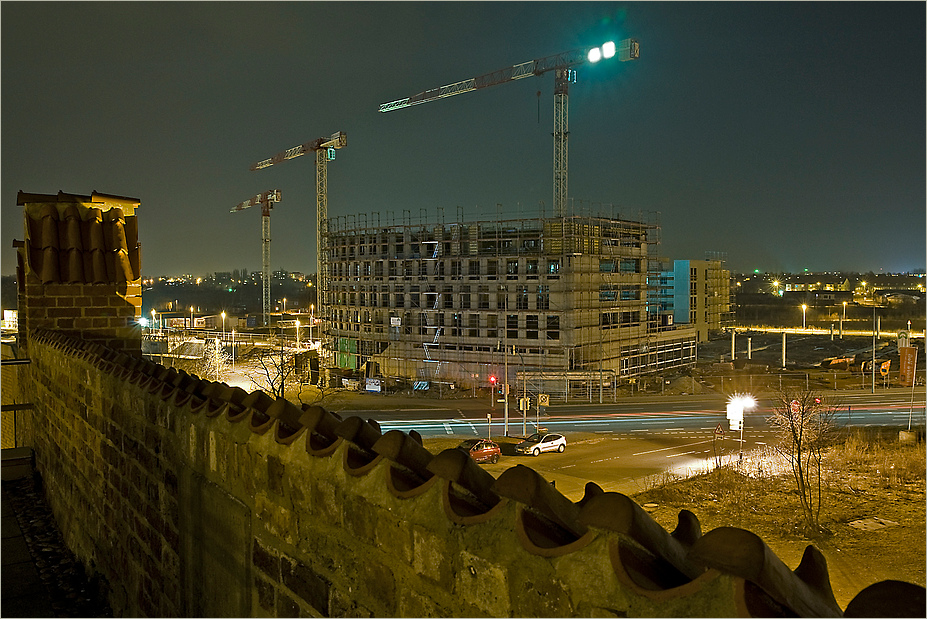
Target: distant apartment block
[(562, 301), (697, 294)]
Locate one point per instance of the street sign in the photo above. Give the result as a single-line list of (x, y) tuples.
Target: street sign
[(719, 430), (795, 406), (543, 399)]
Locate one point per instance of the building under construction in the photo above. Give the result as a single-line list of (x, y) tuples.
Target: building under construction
[(556, 305)]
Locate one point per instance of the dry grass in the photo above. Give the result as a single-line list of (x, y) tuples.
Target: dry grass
[(869, 474)]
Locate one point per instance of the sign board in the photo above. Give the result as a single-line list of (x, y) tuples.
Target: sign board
[(904, 339), (795, 406), (719, 430), (395, 321), (373, 384), (908, 357), (543, 399), (885, 367)]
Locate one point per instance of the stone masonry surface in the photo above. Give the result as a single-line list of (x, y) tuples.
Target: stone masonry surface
[(192, 498)]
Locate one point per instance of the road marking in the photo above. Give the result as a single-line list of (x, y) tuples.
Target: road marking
[(604, 459), (665, 448), (474, 429), (447, 428)]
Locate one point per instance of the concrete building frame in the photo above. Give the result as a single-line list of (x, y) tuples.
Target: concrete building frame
[(565, 299)]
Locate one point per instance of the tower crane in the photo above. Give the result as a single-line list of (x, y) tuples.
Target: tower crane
[(628, 49), (324, 149), (266, 200)]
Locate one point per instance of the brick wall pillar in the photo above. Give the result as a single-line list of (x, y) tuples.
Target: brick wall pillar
[(79, 268)]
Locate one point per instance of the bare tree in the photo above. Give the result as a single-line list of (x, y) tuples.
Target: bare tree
[(805, 424), (275, 369), (215, 360)]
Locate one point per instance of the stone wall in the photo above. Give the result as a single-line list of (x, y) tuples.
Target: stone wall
[(192, 498)]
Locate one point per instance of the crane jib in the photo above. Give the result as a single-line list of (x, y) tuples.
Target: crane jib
[(628, 49)]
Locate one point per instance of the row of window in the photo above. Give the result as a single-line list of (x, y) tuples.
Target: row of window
[(450, 319), (523, 300), (454, 332), (441, 268)]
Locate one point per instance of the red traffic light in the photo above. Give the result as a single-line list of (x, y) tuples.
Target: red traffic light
[(492, 379)]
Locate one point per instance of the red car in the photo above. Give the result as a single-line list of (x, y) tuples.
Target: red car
[(481, 450)]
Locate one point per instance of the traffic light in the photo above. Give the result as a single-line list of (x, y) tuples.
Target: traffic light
[(492, 380)]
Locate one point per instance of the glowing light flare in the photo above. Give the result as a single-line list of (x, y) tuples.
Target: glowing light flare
[(608, 49), (594, 55), (742, 401)]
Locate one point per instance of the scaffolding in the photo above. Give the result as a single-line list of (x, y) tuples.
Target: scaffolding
[(432, 300)]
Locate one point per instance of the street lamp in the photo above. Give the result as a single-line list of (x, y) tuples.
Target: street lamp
[(311, 319), (223, 326), (191, 317), (842, 318), (736, 405), (284, 305), (153, 319), (804, 308), (297, 333)]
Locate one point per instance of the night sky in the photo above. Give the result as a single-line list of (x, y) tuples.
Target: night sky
[(786, 135)]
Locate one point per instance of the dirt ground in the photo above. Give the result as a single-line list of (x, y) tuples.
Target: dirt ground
[(873, 512)]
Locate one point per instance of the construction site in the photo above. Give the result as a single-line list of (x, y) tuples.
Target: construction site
[(555, 305)]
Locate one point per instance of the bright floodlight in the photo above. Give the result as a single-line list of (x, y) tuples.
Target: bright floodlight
[(595, 54), (742, 401), (608, 49)]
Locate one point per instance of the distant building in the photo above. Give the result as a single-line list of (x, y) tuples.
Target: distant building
[(697, 293), (816, 281), (564, 301)]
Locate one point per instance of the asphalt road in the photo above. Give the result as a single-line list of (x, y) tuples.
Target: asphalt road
[(624, 447)]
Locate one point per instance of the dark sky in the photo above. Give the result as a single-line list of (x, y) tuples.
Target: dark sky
[(787, 135)]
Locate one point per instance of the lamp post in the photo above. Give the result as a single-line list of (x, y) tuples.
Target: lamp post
[(191, 317), (223, 326), (736, 405), (804, 307), (297, 333), (284, 305), (842, 318), (153, 318), (311, 320)]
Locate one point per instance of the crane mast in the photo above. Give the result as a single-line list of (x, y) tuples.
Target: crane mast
[(628, 49), (324, 149), (266, 200)]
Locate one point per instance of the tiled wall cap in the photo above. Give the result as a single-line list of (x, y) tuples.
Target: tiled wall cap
[(280, 412), (806, 591), (258, 400), (360, 432), (407, 454), (888, 598), (455, 465), (618, 513), (321, 440), (361, 435), (524, 485)]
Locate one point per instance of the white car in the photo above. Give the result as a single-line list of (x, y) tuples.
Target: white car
[(536, 443)]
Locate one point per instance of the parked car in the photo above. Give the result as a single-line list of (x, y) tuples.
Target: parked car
[(536, 443), (481, 450)]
